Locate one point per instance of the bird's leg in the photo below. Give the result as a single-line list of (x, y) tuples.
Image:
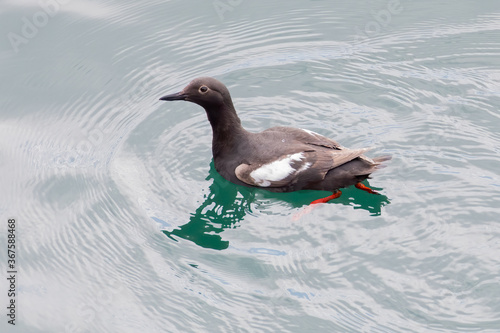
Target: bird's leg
[(312, 205), (366, 188), (328, 198)]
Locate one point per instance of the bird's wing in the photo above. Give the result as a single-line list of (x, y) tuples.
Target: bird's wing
[(306, 136), (311, 165)]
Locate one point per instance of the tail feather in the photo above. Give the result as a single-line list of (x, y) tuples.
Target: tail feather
[(379, 159)]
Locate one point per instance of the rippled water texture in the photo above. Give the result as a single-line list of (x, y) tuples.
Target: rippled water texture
[(124, 225)]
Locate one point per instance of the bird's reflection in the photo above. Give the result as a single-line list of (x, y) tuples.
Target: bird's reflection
[(226, 204)]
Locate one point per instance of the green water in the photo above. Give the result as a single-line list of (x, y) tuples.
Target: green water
[(226, 205)]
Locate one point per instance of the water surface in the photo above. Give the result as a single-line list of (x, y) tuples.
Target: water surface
[(124, 225)]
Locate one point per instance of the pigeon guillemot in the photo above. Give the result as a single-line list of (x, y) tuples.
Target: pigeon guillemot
[(279, 159)]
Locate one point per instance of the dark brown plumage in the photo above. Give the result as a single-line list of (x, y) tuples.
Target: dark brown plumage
[(279, 159)]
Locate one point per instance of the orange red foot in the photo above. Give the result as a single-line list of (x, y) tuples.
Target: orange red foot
[(311, 206), (328, 198), (366, 188)]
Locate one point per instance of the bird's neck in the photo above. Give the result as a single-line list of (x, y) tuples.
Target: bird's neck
[(226, 129)]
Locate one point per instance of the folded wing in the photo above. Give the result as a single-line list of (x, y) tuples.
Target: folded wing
[(311, 165)]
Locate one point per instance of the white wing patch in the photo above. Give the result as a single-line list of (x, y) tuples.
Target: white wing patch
[(277, 170), (304, 167)]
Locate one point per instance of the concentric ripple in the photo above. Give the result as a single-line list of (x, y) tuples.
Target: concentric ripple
[(126, 226)]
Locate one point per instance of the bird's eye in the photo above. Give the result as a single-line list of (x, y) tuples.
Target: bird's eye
[(203, 89)]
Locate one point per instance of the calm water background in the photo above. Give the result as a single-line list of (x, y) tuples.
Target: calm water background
[(124, 226)]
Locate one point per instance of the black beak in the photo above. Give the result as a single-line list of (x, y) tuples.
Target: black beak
[(180, 96)]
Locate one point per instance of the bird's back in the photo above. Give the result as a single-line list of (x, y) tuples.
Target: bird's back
[(312, 160)]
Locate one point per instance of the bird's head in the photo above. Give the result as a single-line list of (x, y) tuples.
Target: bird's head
[(204, 91)]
